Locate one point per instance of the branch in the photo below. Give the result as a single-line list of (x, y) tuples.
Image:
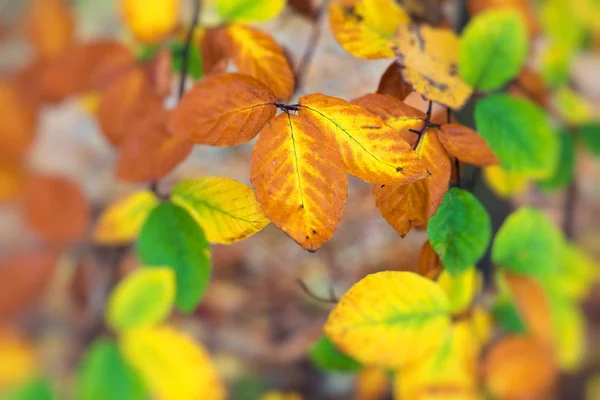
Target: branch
[(186, 47), (331, 299)]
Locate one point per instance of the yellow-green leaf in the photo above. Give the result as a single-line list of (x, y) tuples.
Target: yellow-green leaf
[(390, 319), (461, 288), (226, 209), (143, 298), (249, 10)]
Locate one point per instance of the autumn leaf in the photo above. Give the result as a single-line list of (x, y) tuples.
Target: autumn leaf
[(257, 54), (390, 319), (151, 22), (172, 365), (461, 289), (371, 150), (226, 210), (569, 328), (248, 12), (493, 48), (430, 57), (529, 84), (503, 183), (19, 360), (121, 222), (143, 299), (172, 238), (150, 151), (467, 145), (364, 28), (223, 110), (215, 49), (405, 206), (50, 27), (56, 209), (460, 231), (19, 122), (392, 83), (129, 98), (299, 180), (12, 179), (430, 264)]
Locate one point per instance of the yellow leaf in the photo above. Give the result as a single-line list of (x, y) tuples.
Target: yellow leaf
[(364, 28), (405, 206), (256, 53), (275, 395), (121, 222), (578, 273), (503, 183), (151, 21), (390, 319), (226, 210), (372, 383), (569, 330), (299, 180), (572, 107), (249, 11), (461, 289), (430, 58), (371, 150), (19, 360), (172, 365)]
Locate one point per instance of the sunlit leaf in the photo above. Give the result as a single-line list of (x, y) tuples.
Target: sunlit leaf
[(390, 319), (371, 149), (172, 238), (56, 209), (405, 206), (560, 24), (223, 110), (430, 57), (461, 289), (299, 180), (19, 361), (121, 221), (364, 28), (226, 210), (460, 231), (249, 11), (528, 243), (503, 183), (493, 48), (50, 27), (172, 365), (103, 374), (151, 22), (467, 145), (144, 298), (328, 358), (519, 133)]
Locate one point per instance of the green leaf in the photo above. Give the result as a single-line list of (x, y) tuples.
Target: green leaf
[(460, 231), (194, 68), (103, 374), (172, 238), (565, 168), (327, 357), (528, 243), (519, 133), (493, 49), (35, 389), (249, 10), (590, 135), (507, 316), (144, 298)]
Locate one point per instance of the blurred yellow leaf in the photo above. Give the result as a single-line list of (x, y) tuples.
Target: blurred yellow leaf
[(364, 28), (249, 11), (372, 383), (578, 272), (569, 332), (276, 395), (226, 209), (172, 364), (390, 319), (151, 21), (18, 360), (572, 107), (461, 289), (503, 183), (121, 222), (12, 178), (50, 27)]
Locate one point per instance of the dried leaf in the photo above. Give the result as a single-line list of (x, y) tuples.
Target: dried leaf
[(405, 206), (50, 27), (371, 149), (19, 123), (151, 22), (223, 110), (56, 209), (392, 83), (467, 145), (299, 180), (430, 264)]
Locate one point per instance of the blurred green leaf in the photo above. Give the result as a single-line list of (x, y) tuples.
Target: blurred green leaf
[(565, 169), (248, 11), (35, 389), (195, 68), (590, 136), (327, 357)]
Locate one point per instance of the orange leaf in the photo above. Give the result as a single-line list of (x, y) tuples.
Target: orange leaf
[(529, 84), (395, 113), (50, 27), (56, 209), (12, 178), (255, 53), (159, 72), (519, 368), (215, 49), (411, 205), (23, 278), (371, 149), (430, 57), (129, 98), (392, 83), (467, 145), (223, 110), (19, 122), (299, 180), (150, 151), (430, 264)]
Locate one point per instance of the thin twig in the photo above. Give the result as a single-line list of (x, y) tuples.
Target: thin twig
[(331, 299)]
